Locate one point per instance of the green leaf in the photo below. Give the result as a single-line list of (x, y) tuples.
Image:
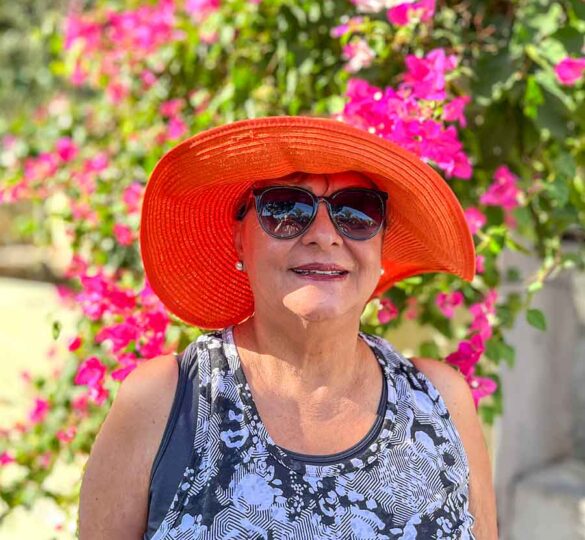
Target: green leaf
[(559, 190), (56, 329), (508, 353), (492, 71), (536, 318), (497, 350), (535, 286), (571, 40), (487, 413), (532, 97), (513, 274), (429, 349), (515, 246)]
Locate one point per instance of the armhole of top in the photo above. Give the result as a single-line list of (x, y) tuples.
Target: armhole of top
[(172, 420), (447, 419)]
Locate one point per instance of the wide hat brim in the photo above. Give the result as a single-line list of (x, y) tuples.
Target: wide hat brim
[(187, 216)]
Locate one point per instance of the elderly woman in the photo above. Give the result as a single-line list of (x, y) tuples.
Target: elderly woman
[(285, 421)]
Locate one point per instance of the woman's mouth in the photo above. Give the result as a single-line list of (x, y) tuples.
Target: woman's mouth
[(321, 275)]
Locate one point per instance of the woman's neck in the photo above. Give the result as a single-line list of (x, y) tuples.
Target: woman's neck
[(313, 356)]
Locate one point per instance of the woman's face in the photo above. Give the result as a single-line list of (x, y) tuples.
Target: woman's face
[(269, 261)]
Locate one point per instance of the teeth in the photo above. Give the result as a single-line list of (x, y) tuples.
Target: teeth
[(323, 272)]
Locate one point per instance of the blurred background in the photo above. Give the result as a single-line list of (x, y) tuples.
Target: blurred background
[(490, 93)]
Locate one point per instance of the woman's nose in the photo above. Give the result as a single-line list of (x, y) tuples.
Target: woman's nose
[(322, 230)]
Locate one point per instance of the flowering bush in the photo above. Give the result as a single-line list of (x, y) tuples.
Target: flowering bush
[(489, 93)]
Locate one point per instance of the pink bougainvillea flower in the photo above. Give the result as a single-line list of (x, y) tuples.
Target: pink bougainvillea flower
[(96, 163), (467, 354), (350, 26), (483, 313), (504, 191), (124, 234), (117, 92), (372, 6), (132, 197), (120, 335), (156, 320), (83, 211), (407, 115), (148, 79), (100, 296), (41, 167), (425, 75), (402, 14), (176, 128), (475, 219), (448, 302), (122, 373), (153, 346), (453, 111), (44, 459), (171, 107), (66, 149), (399, 15), (480, 264), (570, 70), (79, 403), (39, 411), (82, 29), (481, 387), (144, 28), (6, 458), (201, 9), (387, 312), (74, 344), (91, 372), (443, 147), (359, 55), (209, 37), (77, 265), (98, 394), (411, 311), (66, 435)]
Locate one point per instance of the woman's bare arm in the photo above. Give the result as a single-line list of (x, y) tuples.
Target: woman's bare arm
[(114, 491), (459, 401)]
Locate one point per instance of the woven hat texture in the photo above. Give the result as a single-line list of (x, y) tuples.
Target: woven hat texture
[(187, 216)]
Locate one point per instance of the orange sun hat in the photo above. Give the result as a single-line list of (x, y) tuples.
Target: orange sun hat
[(190, 201)]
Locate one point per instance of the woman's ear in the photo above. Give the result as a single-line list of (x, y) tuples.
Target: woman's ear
[(237, 231)]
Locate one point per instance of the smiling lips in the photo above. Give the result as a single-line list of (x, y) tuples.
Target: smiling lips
[(320, 270)]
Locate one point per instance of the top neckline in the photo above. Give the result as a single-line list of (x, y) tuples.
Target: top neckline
[(362, 454)]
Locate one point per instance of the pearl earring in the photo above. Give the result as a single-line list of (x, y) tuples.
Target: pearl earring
[(381, 271), (240, 265)]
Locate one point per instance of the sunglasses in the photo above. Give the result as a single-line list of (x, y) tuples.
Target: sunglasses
[(287, 211)]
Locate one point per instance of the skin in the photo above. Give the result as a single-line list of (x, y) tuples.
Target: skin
[(315, 383), (300, 348)]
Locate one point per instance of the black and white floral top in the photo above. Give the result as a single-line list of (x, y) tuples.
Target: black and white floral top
[(406, 479)]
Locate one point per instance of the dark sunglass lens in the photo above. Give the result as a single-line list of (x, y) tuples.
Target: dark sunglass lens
[(359, 214), (285, 212)]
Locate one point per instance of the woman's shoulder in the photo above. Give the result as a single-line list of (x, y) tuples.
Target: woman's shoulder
[(447, 380), (116, 478), (151, 382), (145, 397)]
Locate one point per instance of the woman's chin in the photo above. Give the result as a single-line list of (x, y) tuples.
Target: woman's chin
[(315, 312)]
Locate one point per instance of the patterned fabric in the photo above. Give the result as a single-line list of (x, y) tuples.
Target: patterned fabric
[(411, 482)]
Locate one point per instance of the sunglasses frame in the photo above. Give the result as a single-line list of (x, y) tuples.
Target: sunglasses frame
[(257, 193)]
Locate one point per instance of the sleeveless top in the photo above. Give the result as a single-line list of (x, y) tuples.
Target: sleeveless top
[(219, 475)]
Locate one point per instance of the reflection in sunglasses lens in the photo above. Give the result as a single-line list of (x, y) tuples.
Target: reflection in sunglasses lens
[(286, 213)]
